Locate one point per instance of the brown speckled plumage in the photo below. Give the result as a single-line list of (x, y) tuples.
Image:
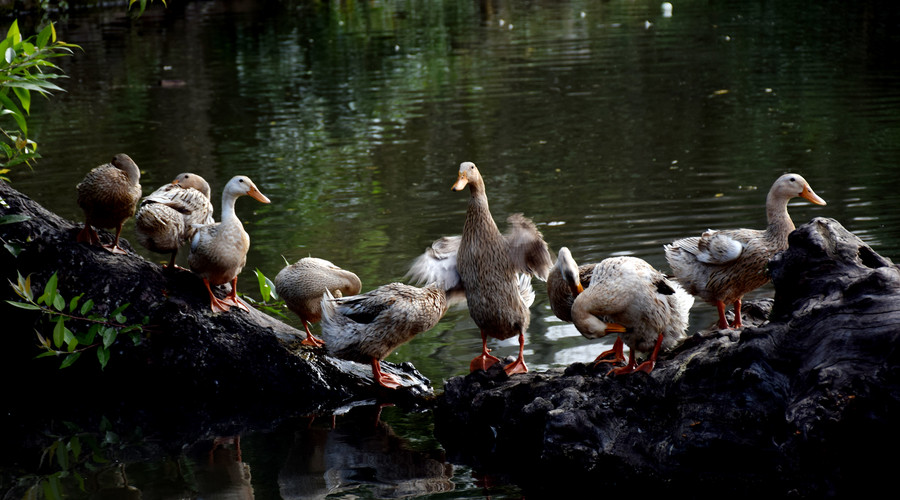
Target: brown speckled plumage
[(108, 195), (302, 284), (720, 267), (168, 217), (368, 327)]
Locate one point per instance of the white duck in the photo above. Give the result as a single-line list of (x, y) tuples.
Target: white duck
[(170, 215), (629, 297), (721, 267), (219, 250), (303, 283)]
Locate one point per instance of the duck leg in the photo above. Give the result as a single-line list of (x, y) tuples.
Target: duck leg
[(217, 304), (647, 366), (232, 298), (617, 351), (484, 361), (115, 248), (628, 368), (383, 379), (518, 366), (723, 323), (737, 315), (88, 235), (310, 339)]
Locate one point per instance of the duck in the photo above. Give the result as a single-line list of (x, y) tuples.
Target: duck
[(565, 282), (108, 196), (629, 297), (219, 250), (720, 267), (494, 269), (303, 283), (367, 327), (170, 215)]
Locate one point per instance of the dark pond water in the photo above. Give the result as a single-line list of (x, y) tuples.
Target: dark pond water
[(614, 128)]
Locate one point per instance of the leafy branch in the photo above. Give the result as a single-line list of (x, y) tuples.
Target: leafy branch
[(101, 333), (25, 67)]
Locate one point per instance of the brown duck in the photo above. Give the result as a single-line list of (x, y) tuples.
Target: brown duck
[(721, 267), (303, 283), (108, 195), (494, 269)]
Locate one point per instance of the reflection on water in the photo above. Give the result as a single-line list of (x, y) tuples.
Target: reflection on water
[(615, 129)]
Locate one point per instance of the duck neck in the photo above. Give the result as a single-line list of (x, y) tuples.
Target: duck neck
[(780, 223), (228, 215), (478, 213)]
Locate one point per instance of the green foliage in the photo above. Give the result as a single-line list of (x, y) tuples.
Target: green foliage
[(75, 456), (25, 67), (95, 331), (142, 3), (270, 302)]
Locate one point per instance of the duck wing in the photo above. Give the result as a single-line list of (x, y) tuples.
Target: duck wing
[(527, 249), (718, 247), (438, 264)]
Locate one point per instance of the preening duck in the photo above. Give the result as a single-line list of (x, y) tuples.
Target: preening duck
[(303, 283), (627, 296)]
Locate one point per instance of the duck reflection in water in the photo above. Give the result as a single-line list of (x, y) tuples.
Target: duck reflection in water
[(357, 455)]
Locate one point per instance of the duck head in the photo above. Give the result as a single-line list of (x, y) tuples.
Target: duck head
[(189, 180), (468, 174)]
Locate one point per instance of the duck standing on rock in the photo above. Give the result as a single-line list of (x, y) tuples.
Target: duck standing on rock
[(170, 215), (627, 296), (564, 284), (495, 270), (108, 195), (721, 267), (219, 250), (368, 327), (303, 283)]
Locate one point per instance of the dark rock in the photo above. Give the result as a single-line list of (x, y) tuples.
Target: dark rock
[(799, 403)]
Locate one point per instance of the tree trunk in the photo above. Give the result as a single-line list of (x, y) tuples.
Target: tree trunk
[(189, 357)]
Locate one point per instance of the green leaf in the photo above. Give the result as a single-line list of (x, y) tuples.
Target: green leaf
[(87, 306), (24, 97), (103, 356), (69, 359), (109, 336), (73, 304), (62, 457), (59, 332), (119, 309), (59, 303), (12, 218), (13, 34), (49, 291), (24, 305), (44, 35)]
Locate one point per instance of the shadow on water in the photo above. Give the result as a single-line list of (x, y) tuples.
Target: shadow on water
[(614, 128)]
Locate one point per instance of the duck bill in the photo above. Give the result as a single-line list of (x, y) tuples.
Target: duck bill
[(577, 289), (461, 182), (615, 328), (811, 196), (257, 195)]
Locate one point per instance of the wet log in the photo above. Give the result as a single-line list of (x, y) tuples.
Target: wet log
[(189, 359), (802, 402)]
